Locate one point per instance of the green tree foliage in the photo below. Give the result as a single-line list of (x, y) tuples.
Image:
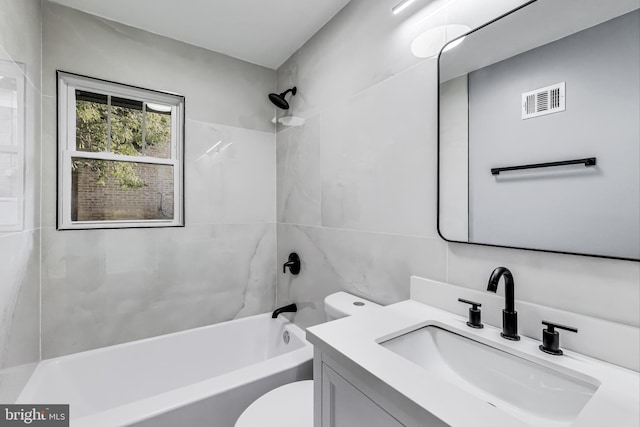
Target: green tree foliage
[(126, 139)]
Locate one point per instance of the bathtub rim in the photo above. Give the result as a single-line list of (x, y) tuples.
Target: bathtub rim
[(155, 405), (71, 356)]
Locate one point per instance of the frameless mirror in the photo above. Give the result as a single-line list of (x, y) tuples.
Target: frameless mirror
[(539, 130)]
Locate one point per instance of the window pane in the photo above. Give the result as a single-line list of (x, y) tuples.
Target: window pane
[(8, 111), (9, 189), (109, 190), (158, 131), (126, 126), (9, 176), (91, 121)]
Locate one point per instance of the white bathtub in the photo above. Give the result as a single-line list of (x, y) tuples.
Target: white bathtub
[(200, 377)]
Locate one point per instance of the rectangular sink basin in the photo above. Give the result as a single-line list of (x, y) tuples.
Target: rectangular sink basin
[(531, 392)]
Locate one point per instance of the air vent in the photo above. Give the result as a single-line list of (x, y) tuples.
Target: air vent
[(543, 101)]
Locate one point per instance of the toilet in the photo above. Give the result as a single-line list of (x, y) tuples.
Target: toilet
[(291, 405)]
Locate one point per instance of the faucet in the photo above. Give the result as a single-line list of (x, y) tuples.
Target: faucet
[(509, 314), (291, 308)]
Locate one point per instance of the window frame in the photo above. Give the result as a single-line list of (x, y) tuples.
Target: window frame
[(67, 84)]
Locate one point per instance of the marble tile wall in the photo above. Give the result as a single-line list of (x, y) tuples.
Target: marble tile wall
[(105, 287), (356, 184), (20, 47)]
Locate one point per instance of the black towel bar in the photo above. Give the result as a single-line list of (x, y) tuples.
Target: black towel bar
[(589, 161)]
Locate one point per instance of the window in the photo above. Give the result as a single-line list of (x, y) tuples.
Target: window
[(120, 155), (12, 145)]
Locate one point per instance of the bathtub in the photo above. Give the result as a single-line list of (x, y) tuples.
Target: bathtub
[(200, 377)]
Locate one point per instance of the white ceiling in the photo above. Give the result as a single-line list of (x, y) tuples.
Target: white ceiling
[(264, 32)]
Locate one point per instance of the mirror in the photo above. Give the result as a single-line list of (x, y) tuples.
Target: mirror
[(539, 133)]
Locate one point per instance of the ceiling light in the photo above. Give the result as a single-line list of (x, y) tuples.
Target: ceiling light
[(401, 6)]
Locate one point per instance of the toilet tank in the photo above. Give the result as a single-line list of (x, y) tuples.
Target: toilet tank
[(342, 304)]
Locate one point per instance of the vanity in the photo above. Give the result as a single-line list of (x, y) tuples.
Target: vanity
[(414, 363)]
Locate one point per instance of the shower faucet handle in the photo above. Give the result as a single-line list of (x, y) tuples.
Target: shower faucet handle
[(293, 264), (475, 319)]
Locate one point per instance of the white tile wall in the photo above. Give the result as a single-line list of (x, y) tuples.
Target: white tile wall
[(372, 265), (218, 88), (235, 182), (298, 173), (110, 286), (375, 164), (20, 43), (370, 150), (102, 288)]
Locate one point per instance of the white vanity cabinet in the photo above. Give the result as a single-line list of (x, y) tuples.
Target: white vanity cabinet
[(347, 396), (343, 405)]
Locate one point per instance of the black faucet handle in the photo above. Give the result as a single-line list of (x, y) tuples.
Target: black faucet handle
[(293, 264), (551, 338), (472, 303), (474, 314), (550, 326)]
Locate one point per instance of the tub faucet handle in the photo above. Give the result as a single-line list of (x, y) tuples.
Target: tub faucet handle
[(293, 264)]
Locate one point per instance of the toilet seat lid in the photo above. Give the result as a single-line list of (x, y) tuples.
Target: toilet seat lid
[(290, 405)]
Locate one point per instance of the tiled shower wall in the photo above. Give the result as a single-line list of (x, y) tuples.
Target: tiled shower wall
[(105, 287), (20, 50), (357, 183)]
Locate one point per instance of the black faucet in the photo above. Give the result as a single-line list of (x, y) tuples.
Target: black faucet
[(509, 314), (291, 308)]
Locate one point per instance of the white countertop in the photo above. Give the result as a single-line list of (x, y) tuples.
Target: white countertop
[(616, 402)]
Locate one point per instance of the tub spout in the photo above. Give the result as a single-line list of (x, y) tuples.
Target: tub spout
[(291, 308)]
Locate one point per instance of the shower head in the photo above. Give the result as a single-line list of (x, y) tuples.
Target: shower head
[(279, 101)]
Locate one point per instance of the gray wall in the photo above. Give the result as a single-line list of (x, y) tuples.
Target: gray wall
[(572, 209), (20, 43), (357, 183), (105, 287)]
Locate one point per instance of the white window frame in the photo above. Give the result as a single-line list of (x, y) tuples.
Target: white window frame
[(68, 83)]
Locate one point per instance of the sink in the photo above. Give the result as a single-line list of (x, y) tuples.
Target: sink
[(535, 393)]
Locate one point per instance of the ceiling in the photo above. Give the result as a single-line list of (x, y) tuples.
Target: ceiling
[(263, 32)]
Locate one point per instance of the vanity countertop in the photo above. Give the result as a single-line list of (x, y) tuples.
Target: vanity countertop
[(616, 401)]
